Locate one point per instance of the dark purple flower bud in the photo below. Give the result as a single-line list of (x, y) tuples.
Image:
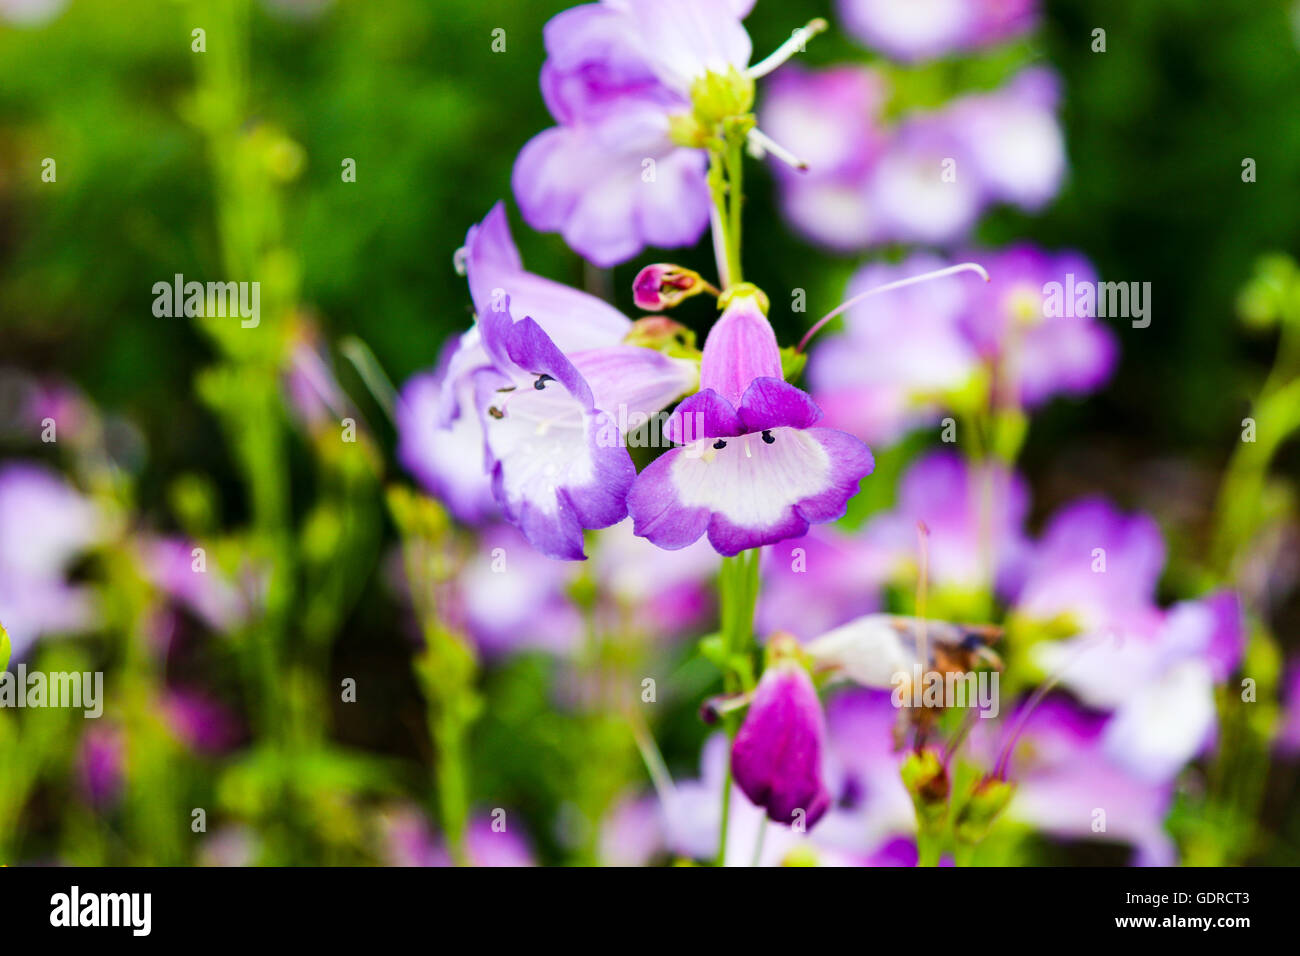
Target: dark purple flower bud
[(777, 755)]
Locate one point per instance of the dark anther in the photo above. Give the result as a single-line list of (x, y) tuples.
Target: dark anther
[(719, 444), (496, 412), (541, 382), (768, 436)]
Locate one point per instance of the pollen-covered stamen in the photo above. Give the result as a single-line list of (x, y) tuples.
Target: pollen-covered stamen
[(796, 44), (889, 287), (760, 144)]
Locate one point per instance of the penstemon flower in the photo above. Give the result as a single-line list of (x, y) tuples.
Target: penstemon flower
[(776, 757), (628, 83), (755, 469), (553, 444)]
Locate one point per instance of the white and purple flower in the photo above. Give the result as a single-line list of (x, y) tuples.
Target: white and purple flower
[(755, 469), (609, 176)]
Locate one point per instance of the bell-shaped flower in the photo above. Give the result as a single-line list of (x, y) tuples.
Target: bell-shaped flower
[(754, 469), (553, 427), (574, 320), (776, 757)]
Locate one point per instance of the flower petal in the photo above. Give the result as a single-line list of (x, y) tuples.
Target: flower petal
[(749, 492)]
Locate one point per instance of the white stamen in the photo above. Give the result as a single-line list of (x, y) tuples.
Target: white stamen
[(760, 144), (889, 287), (458, 259), (789, 48)]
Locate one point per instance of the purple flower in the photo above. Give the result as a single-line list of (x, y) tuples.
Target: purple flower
[(1159, 684), (45, 524), (861, 733), (754, 470), (1008, 322), (1097, 566), (201, 722), (927, 29), (551, 395), (575, 320), (975, 519), (510, 598), (819, 581), (409, 841), (665, 593), (921, 189), (551, 428), (776, 757), (100, 766), (609, 176), (1064, 776), (899, 356), (447, 459), (170, 565), (1014, 139), (831, 117)]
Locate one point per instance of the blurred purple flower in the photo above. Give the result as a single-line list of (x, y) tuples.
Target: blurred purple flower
[(922, 189), (830, 118), (100, 765), (410, 842), (510, 598), (927, 29), (1064, 777), (202, 723), (45, 524), (614, 75), (1096, 565), (169, 563), (1158, 685), (819, 581), (899, 356), (1014, 139), (446, 459), (1007, 322), (776, 757), (666, 593), (632, 834), (975, 519), (924, 180), (754, 470)]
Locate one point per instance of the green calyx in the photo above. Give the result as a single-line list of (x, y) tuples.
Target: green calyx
[(927, 781), (981, 811), (721, 108), (742, 290)]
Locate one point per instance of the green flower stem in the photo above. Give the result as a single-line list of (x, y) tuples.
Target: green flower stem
[(737, 595)]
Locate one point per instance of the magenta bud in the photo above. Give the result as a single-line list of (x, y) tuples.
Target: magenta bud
[(663, 285), (777, 755)]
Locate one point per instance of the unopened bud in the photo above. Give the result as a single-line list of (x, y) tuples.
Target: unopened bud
[(663, 285)]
